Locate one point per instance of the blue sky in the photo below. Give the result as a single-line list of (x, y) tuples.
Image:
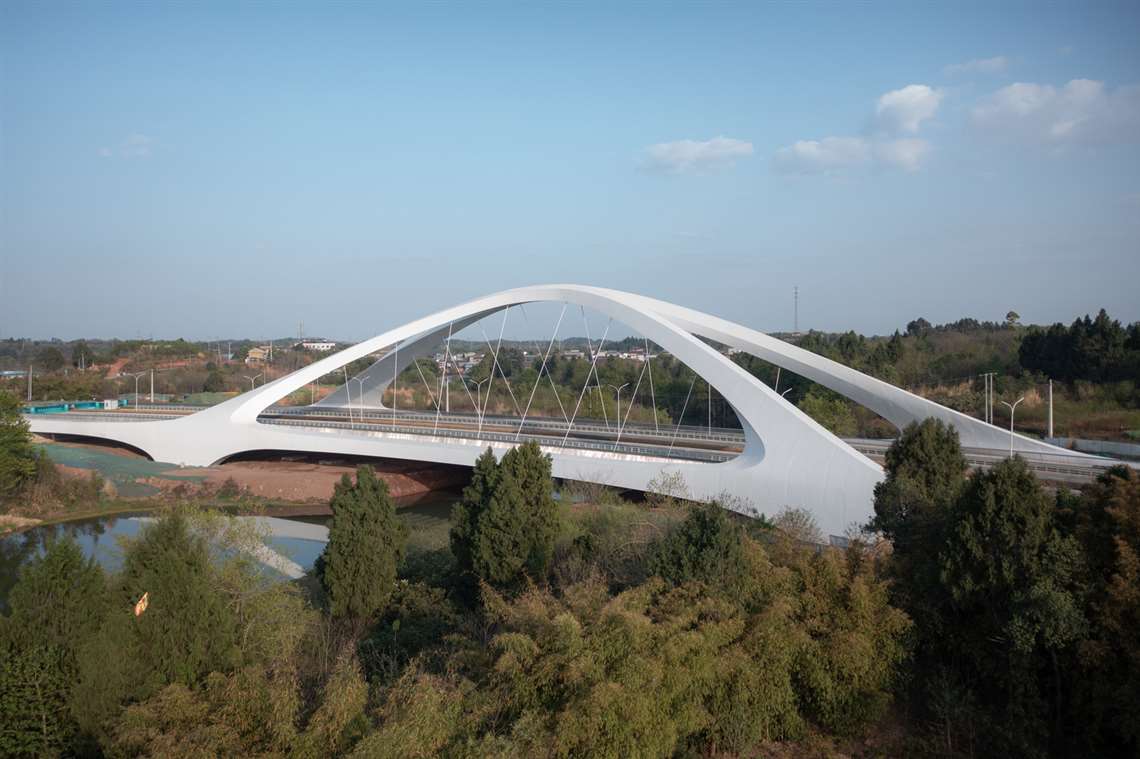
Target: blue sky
[(216, 169)]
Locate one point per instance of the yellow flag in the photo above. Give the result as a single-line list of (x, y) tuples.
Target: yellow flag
[(140, 607)]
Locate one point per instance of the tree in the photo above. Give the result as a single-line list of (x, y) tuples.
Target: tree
[(17, 456), (215, 382), (366, 545), (1107, 679), (55, 606), (188, 630), (918, 327), (506, 522), (82, 357), (1012, 580), (50, 358), (1012, 319), (830, 410), (707, 546), (58, 599), (925, 472), (34, 684)]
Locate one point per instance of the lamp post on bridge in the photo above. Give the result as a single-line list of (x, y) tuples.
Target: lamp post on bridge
[(359, 395), (1011, 410), (479, 400), (619, 389), (251, 380)]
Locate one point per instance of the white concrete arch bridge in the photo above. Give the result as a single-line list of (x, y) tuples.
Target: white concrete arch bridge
[(782, 458)]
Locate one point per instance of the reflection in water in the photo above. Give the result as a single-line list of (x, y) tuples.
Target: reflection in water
[(100, 537)]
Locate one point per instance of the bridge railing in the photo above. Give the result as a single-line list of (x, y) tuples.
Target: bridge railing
[(494, 437)]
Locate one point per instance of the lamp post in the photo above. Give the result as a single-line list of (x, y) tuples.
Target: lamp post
[(137, 376), (619, 389), (359, 394), (1011, 410), (479, 391), (786, 392), (251, 380)]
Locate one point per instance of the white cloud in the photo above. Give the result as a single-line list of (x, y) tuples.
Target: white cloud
[(906, 153), (994, 65), (105, 152), (1082, 112), (905, 109), (901, 111), (834, 154), (822, 156), (693, 155)]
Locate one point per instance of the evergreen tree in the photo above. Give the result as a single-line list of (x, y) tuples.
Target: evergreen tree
[(56, 605), (925, 472), (1107, 679), (1012, 579), (466, 513), (188, 630), (17, 456), (707, 546), (34, 716), (58, 600), (215, 382), (366, 545), (506, 523)]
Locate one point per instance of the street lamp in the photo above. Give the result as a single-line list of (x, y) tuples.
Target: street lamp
[(1011, 410), (619, 389), (251, 380), (137, 377), (359, 394), (479, 390), (786, 392)]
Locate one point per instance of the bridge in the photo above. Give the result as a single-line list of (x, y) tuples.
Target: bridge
[(778, 458)]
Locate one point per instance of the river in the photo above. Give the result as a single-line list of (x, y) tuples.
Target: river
[(427, 517)]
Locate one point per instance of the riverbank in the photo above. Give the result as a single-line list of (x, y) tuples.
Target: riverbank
[(299, 478)]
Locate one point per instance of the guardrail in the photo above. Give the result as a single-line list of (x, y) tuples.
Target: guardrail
[(549, 441), (665, 432)]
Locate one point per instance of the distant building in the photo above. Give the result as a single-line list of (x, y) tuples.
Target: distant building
[(320, 346), (257, 355)]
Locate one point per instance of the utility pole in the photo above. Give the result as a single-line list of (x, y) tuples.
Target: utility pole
[(1050, 409), (29, 382), (152, 385), (796, 309)]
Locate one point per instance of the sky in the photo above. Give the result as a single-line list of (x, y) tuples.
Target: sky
[(219, 169)]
